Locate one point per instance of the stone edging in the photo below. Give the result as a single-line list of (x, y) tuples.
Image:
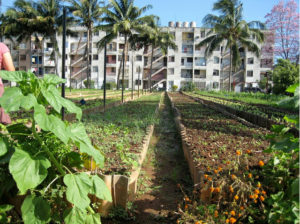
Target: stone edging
[(123, 188)]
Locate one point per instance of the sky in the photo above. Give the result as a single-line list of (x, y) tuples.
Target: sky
[(193, 10)]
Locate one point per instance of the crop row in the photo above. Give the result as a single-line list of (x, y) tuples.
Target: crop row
[(120, 130), (223, 156)]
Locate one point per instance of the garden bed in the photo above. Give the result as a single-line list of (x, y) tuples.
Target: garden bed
[(122, 134), (256, 115)]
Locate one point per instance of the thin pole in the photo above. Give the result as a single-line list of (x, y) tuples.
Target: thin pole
[(104, 81), (139, 81), (63, 61), (132, 77)]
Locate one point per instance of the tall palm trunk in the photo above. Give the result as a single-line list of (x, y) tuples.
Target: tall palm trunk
[(89, 38), (150, 75), (230, 70), (124, 58)]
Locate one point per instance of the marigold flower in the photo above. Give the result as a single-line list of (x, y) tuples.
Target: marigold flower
[(208, 168), (227, 162), (177, 221), (227, 221), (255, 196), (255, 201), (240, 214), (250, 175), (236, 197), (186, 207), (231, 189), (217, 190), (186, 199), (261, 163), (232, 213), (232, 220), (198, 222), (262, 198), (256, 191), (211, 189), (209, 178), (216, 171), (258, 185), (263, 192), (219, 169), (242, 208), (251, 196), (233, 176), (248, 151), (238, 152), (216, 214), (226, 213), (205, 176)]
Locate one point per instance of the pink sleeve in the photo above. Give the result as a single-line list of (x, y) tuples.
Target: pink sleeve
[(3, 48)]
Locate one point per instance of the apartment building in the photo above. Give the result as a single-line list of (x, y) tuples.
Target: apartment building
[(186, 64)]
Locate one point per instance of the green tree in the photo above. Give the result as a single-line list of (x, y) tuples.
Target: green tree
[(123, 17), (229, 27), (285, 74), (87, 14)]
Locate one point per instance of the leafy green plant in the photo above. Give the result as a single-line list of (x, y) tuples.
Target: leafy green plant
[(44, 156), (174, 88), (89, 83), (188, 87)]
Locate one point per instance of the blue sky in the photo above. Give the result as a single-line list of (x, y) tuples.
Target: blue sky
[(193, 10)]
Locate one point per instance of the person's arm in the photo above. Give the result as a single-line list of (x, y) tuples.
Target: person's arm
[(8, 62)]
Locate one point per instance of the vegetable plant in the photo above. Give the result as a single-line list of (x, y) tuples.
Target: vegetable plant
[(42, 159)]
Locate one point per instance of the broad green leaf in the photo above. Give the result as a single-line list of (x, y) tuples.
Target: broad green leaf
[(292, 119), (5, 208), (12, 99), (53, 97), (75, 216), (292, 88), (35, 210), (28, 102), (295, 187), (27, 171), (93, 219), (78, 134), (53, 79), (78, 187), (3, 146), (100, 189), (72, 108), (16, 76), (51, 123)]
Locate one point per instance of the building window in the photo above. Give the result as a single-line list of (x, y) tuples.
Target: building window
[(95, 57), (200, 61), (182, 61), (22, 46), (251, 61), (139, 58), (215, 85), (171, 58), (49, 45), (202, 34), (85, 34), (95, 68), (250, 73), (171, 71), (23, 57), (96, 33), (138, 82), (216, 60), (190, 60), (216, 72)]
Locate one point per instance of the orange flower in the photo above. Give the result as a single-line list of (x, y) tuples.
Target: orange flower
[(209, 178), (256, 191), (232, 213), (186, 207), (233, 176), (205, 176), (248, 151), (177, 221), (255, 201), (232, 220), (216, 214), (238, 152), (261, 163), (208, 168), (242, 208), (255, 196), (211, 189), (227, 221), (217, 190), (216, 171), (251, 196), (231, 189), (263, 192), (219, 169), (186, 199), (258, 185), (250, 175), (227, 162), (226, 213), (240, 214), (198, 222), (236, 197), (262, 198)]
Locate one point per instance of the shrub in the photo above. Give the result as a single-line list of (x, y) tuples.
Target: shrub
[(174, 88), (188, 87), (89, 84), (110, 85)]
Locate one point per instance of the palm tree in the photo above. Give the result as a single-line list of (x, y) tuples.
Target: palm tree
[(88, 13), (231, 28), (155, 37), (126, 19)]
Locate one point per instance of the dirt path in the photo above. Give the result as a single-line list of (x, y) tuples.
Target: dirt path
[(164, 169)]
